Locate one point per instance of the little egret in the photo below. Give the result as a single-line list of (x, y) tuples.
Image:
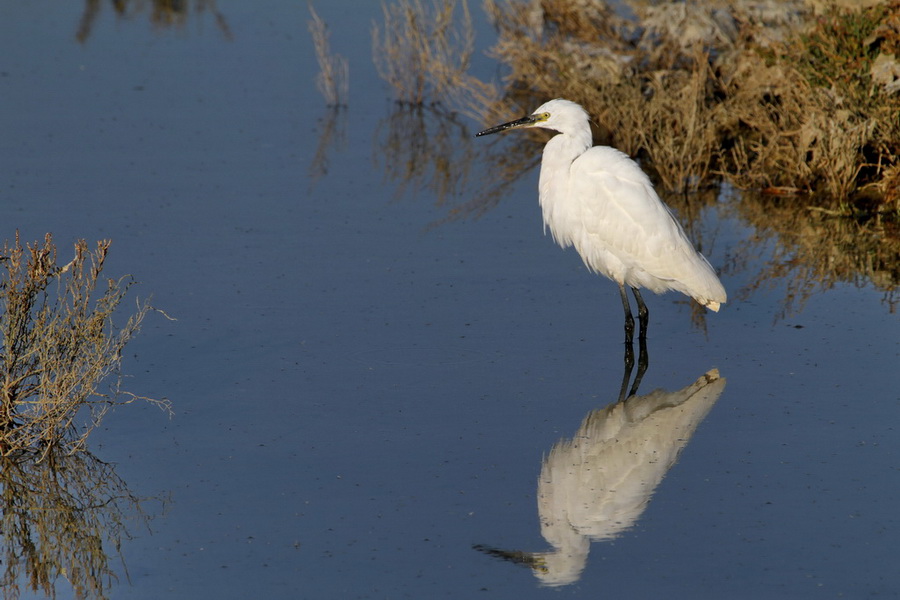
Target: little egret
[(600, 201)]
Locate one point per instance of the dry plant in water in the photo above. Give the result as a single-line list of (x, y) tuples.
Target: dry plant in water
[(333, 80), (59, 346), (423, 51)]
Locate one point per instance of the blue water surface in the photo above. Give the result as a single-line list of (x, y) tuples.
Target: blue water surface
[(365, 389)]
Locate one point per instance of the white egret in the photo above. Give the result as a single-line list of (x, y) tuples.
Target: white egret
[(598, 200)]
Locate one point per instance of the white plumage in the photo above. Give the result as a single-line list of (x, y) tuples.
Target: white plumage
[(600, 201)]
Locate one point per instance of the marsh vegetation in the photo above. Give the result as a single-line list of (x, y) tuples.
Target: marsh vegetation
[(799, 99), (61, 353), (333, 81)]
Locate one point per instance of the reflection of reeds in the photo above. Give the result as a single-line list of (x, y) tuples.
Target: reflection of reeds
[(432, 150), (422, 147), (810, 251), (333, 80), (62, 517), (59, 345), (163, 14), (332, 134)]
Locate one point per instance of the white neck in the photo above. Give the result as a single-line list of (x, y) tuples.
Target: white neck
[(559, 153)]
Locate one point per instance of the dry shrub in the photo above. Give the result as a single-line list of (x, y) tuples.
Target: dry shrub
[(550, 50), (766, 107), (889, 188), (333, 80), (806, 114), (421, 52), (679, 133), (59, 346)]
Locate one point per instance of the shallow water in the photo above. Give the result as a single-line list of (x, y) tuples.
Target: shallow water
[(365, 387)]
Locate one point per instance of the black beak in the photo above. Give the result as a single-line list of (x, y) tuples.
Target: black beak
[(515, 556), (524, 121)]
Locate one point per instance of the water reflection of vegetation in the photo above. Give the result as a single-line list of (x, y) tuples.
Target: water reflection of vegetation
[(423, 147), (595, 485), (812, 251), (63, 517), (430, 148), (332, 128), (163, 14)]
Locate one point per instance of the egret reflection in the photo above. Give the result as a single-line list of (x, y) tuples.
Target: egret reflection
[(595, 485)]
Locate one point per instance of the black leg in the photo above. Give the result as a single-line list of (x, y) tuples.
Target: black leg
[(629, 320), (643, 312), (626, 377), (629, 343), (643, 363)]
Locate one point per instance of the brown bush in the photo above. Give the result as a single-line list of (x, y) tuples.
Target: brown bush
[(59, 345)]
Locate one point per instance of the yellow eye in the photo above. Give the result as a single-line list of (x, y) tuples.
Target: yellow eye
[(544, 116)]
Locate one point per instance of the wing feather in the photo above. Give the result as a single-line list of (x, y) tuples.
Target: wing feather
[(627, 233)]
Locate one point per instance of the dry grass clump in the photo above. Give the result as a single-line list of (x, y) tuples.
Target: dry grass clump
[(424, 50), (700, 91), (333, 80), (59, 346), (420, 51), (813, 114)]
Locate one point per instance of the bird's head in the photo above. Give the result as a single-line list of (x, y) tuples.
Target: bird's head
[(559, 115)]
